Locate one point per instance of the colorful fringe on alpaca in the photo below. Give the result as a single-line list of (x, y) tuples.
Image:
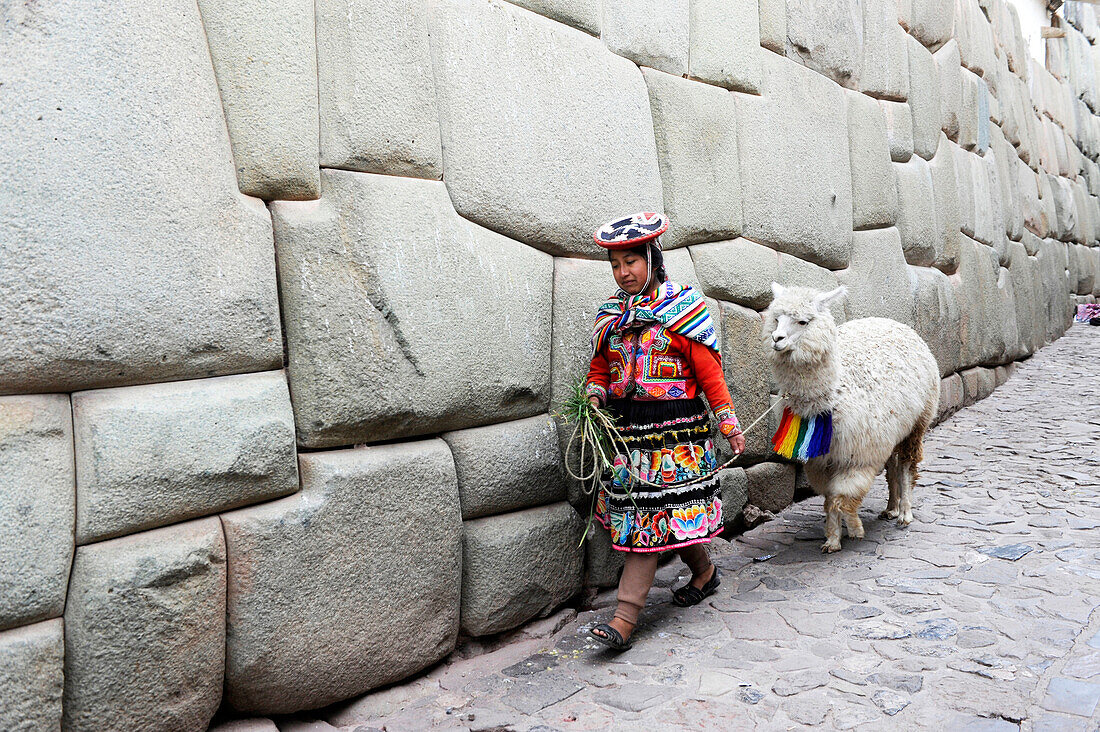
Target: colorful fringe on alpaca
[(802, 438)]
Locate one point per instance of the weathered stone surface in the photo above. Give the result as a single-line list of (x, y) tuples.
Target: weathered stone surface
[(580, 286), (533, 475), (519, 566), (899, 130), (376, 333), (828, 36), (770, 485), (257, 724), (583, 14), (265, 61), (921, 233), (924, 99), (936, 316), (950, 74), (932, 21), (1012, 207), (975, 37), (695, 126), (973, 113), (496, 142), (796, 182), (724, 44), (951, 396), (654, 35), (161, 269), (735, 491), (602, 564), (945, 190), (31, 660), (976, 287), (884, 71), (37, 487), (773, 25), (156, 454), (145, 630), (748, 375), (878, 280), (1024, 272), (377, 97), (874, 192), (313, 577)]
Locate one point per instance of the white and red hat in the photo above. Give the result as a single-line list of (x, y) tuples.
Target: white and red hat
[(627, 232)]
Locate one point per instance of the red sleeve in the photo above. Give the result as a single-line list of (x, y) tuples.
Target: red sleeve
[(706, 365), (599, 377)]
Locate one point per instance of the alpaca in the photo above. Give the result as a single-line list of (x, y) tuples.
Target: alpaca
[(881, 383)]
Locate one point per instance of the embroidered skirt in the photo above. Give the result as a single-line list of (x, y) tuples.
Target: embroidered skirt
[(669, 441)]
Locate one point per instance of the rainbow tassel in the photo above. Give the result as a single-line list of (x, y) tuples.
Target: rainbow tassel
[(802, 438)]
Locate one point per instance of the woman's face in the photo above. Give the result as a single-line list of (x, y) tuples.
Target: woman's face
[(630, 270)]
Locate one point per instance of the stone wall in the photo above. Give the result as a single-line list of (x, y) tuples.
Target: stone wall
[(289, 290)]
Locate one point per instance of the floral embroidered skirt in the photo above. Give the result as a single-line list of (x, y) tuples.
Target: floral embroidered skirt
[(669, 441)]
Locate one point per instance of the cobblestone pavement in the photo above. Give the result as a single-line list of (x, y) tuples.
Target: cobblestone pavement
[(980, 616)]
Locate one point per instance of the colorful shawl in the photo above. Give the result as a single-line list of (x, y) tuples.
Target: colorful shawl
[(802, 438), (678, 308)]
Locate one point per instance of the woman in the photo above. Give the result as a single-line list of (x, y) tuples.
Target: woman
[(654, 349)]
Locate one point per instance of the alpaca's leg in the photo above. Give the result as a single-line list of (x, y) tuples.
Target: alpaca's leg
[(849, 508), (832, 525), (893, 481), (910, 452)]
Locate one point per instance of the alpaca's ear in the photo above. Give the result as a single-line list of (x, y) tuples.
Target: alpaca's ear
[(777, 289), (825, 299)]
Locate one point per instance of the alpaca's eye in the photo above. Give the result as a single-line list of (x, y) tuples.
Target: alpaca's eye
[(803, 322)]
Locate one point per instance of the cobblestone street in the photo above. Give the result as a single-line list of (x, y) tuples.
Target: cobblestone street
[(979, 616)]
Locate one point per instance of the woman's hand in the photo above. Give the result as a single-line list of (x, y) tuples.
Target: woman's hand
[(737, 443), (594, 402)]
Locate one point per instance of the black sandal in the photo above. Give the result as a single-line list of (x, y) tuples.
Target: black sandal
[(689, 594), (612, 639)]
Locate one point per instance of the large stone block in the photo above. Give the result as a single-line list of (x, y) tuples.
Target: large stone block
[(884, 71), (975, 37), (31, 668), (924, 99), (519, 566), (932, 21), (695, 126), (735, 491), (748, 374), (1023, 270), (945, 189), (795, 169), (381, 316), (828, 36), (159, 270), (973, 113), (921, 233), (265, 61), (773, 25), (951, 396), (649, 34), (517, 90), (1056, 303), (878, 280), (976, 288), (583, 14), (37, 487), (899, 130), (313, 577), (156, 454), (376, 92), (874, 193), (508, 466), (145, 630), (770, 485), (602, 563), (950, 74), (580, 286), (936, 316), (1012, 206), (724, 45)]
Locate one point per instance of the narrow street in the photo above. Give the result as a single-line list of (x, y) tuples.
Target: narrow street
[(982, 615)]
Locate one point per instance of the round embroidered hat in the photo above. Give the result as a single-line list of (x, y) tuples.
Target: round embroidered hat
[(627, 232)]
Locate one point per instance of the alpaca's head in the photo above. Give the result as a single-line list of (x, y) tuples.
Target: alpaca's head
[(798, 326)]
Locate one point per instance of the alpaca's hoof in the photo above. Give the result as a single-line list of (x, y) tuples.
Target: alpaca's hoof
[(905, 520), (830, 546), (859, 534), (889, 514)]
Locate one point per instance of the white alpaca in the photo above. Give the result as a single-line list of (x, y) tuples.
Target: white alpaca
[(883, 387)]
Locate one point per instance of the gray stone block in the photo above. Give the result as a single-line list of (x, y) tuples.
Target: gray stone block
[(924, 99), (695, 126), (156, 454), (945, 190), (899, 130), (583, 14), (874, 192), (748, 374), (37, 507), (932, 21), (649, 34), (1003, 157), (878, 280), (975, 37), (795, 169), (257, 724), (735, 490), (951, 396), (1024, 272), (884, 71), (936, 316), (376, 332), (31, 669), (519, 566), (976, 288), (160, 270), (921, 233), (770, 485), (145, 630), (973, 113), (497, 141), (724, 44), (265, 61), (349, 585), (828, 37), (969, 379), (602, 563), (376, 92), (773, 25), (507, 466), (580, 286), (950, 74)]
